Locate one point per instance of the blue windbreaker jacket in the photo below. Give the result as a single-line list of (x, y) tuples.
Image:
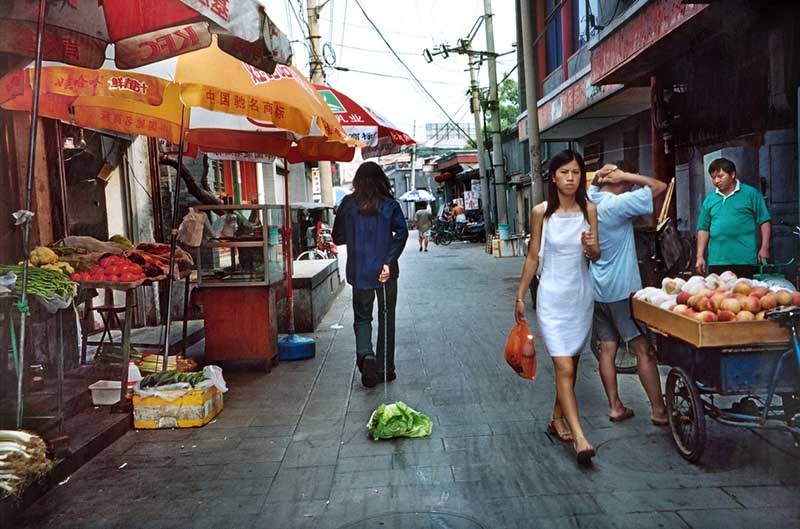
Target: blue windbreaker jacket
[(372, 240)]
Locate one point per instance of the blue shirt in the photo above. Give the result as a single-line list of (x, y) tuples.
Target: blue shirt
[(616, 274), (372, 240)]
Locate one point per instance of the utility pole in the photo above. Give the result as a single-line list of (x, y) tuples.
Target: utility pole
[(475, 108), (528, 23), (464, 47), (414, 160), (318, 77), (493, 104)]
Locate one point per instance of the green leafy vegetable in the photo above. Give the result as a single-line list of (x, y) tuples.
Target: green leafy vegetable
[(398, 420)]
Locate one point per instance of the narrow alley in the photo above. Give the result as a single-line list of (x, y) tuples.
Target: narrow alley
[(290, 449)]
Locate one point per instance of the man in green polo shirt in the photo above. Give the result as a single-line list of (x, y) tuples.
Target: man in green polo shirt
[(727, 224)]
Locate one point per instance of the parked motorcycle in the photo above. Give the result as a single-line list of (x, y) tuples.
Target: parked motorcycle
[(445, 232)]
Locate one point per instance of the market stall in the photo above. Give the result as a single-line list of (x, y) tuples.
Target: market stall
[(238, 272), (724, 336)]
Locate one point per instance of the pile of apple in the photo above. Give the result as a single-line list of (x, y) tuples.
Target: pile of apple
[(718, 298)]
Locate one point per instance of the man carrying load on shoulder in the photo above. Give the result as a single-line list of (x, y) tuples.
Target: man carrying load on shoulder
[(615, 275)]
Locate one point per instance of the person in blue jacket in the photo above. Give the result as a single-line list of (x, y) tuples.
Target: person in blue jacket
[(370, 222)]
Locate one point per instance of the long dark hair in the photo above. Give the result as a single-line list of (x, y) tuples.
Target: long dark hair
[(370, 187), (557, 161)]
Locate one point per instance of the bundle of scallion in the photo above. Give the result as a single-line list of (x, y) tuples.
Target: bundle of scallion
[(23, 459)]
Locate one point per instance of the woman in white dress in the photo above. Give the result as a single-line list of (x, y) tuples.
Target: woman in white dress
[(563, 239)]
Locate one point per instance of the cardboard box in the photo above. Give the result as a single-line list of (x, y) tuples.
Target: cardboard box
[(197, 407), (727, 334)]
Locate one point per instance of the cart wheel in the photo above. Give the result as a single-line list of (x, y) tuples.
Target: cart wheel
[(625, 361), (687, 418)]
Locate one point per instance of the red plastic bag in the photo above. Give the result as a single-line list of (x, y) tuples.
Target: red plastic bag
[(520, 351)]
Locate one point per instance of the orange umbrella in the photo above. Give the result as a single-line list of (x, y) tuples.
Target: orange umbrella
[(232, 113), (121, 101), (236, 107)]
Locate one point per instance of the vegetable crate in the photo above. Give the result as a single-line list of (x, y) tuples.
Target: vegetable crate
[(197, 407)]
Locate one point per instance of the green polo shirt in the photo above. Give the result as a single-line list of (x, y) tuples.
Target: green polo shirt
[(732, 222)]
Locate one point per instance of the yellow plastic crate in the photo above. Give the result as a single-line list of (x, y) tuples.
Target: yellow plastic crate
[(197, 407)]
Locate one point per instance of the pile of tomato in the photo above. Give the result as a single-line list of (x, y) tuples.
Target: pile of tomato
[(112, 269)]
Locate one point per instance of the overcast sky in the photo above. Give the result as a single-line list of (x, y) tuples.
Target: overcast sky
[(409, 26)]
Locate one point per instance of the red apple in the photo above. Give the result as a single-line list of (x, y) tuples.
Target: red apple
[(708, 317), (705, 292), (751, 304), (769, 301), (683, 298), (717, 299), (796, 299), (722, 290), (705, 305), (726, 315), (745, 315), (784, 298), (681, 309), (759, 292), (731, 305), (742, 288)]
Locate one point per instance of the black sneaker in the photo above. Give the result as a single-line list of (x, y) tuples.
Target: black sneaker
[(369, 372), (391, 376)]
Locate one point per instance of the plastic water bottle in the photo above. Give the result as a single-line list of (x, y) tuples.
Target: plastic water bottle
[(134, 376)]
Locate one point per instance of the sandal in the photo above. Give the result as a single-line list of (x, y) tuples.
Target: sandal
[(626, 414), (584, 456), (564, 435), (659, 422)]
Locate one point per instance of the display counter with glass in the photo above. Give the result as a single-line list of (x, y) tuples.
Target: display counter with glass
[(239, 270), (248, 249)]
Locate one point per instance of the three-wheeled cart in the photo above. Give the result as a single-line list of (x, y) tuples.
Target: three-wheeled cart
[(712, 362)]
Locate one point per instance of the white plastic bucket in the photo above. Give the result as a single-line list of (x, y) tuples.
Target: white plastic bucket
[(505, 232)]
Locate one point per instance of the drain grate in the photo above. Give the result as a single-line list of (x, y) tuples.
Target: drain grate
[(415, 520)]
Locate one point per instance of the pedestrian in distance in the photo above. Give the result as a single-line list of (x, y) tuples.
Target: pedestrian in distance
[(458, 215), (424, 221), (727, 225), (563, 239), (371, 223), (615, 275)]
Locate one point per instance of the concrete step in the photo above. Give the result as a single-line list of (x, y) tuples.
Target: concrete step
[(88, 433)]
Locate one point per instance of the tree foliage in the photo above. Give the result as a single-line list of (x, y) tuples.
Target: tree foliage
[(508, 96)]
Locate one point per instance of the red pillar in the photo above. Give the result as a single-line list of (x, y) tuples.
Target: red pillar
[(541, 59), (566, 38)]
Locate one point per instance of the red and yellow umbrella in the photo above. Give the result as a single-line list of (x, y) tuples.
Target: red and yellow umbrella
[(78, 32), (377, 133)]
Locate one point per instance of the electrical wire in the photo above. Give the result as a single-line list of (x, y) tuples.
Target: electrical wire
[(361, 26), (390, 76), (301, 21), (507, 75), (384, 52), (410, 71)]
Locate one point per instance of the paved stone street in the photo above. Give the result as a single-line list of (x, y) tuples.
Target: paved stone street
[(290, 450)]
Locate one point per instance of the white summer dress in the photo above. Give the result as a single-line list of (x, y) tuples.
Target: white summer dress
[(565, 299)]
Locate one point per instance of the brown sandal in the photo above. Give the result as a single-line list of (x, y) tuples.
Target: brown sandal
[(564, 435)]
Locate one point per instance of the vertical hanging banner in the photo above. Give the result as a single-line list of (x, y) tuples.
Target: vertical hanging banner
[(476, 188)]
